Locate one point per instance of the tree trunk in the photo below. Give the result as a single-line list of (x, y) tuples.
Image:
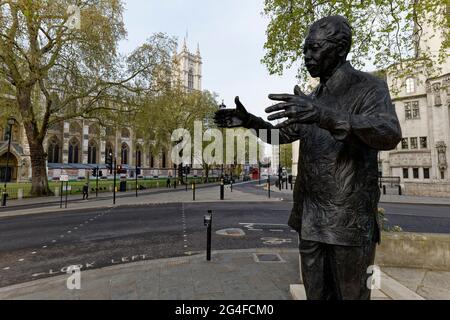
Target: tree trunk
[(39, 180)]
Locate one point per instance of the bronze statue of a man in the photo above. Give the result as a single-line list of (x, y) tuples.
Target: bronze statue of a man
[(341, 125)]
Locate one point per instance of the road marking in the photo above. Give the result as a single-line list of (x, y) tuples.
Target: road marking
[(21, 260), (263, 224), (69, 231), (275, 241), (7, 268), (34, 252), (44, 247), (273, 230), (54, 241)]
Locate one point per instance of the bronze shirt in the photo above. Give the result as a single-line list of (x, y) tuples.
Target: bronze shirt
[(336, 193)]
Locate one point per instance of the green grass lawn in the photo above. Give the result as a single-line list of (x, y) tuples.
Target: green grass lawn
[(13, 189)]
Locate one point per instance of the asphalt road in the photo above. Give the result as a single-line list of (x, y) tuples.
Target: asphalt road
[(43, 245)]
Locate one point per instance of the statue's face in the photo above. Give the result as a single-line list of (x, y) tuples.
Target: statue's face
[(321, 56)]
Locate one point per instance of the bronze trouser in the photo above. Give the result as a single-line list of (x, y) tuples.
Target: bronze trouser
[(332, 272)]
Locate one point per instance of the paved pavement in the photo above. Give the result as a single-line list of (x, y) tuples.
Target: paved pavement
[(202, 194), (263, 274)]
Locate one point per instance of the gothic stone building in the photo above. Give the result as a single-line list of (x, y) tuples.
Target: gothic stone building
[(75, 147)]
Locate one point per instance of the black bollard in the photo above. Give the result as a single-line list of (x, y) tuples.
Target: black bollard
[(222, 190), (193, 191), (399, 190), (384, 190), (208, 224), (268, 185)]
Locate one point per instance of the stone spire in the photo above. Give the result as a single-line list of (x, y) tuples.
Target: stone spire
[(184, 45)]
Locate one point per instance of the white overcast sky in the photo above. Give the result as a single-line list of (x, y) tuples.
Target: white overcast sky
[(231, 34)]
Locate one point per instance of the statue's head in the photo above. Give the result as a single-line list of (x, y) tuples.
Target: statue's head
[(327, 45)]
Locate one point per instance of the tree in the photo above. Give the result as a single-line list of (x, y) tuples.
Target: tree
[(286, 156), (61, 62), (386, 32), (173, 108)]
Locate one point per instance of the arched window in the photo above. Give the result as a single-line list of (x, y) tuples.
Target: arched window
[(124, 154), (139, 156), (191, 79), (92, 153), (410, 85), (164, 160), (74, 151), (53, 151)]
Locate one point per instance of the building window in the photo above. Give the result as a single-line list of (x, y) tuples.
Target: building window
[(442, 174), (124, 154), (191, 80), (92, 153), (405, 173), (410, 85), (163, 161), (415, 110), (53, 151), (6, 134), (74, 151), (423, 143), (426, 173), (405, 145), (139, 157), (412, 110), (416, 173), (408, 114), (414, 143)]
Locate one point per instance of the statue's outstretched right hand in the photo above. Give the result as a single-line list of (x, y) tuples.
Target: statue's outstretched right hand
[(232, 118)]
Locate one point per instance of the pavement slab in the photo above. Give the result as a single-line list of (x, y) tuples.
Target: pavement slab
[(231, 275)]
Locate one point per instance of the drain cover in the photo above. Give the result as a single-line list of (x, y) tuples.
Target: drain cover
[(231, 232), (268, 257)]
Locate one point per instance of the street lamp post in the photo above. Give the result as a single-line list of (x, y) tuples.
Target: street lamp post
[(11, 122), (136, 173), (279, 167), (221, 107)]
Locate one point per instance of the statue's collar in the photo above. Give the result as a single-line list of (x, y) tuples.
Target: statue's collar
[(339, 80)]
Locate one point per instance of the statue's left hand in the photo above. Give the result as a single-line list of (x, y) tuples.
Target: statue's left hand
[(298, 108)]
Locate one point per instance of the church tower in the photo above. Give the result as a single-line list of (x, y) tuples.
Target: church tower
[(190, 68)]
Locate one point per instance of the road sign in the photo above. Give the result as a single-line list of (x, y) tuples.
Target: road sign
[(64, 178)]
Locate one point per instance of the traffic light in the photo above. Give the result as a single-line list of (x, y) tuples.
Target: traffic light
[(100, 173), (94, 172), (138, 171)]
